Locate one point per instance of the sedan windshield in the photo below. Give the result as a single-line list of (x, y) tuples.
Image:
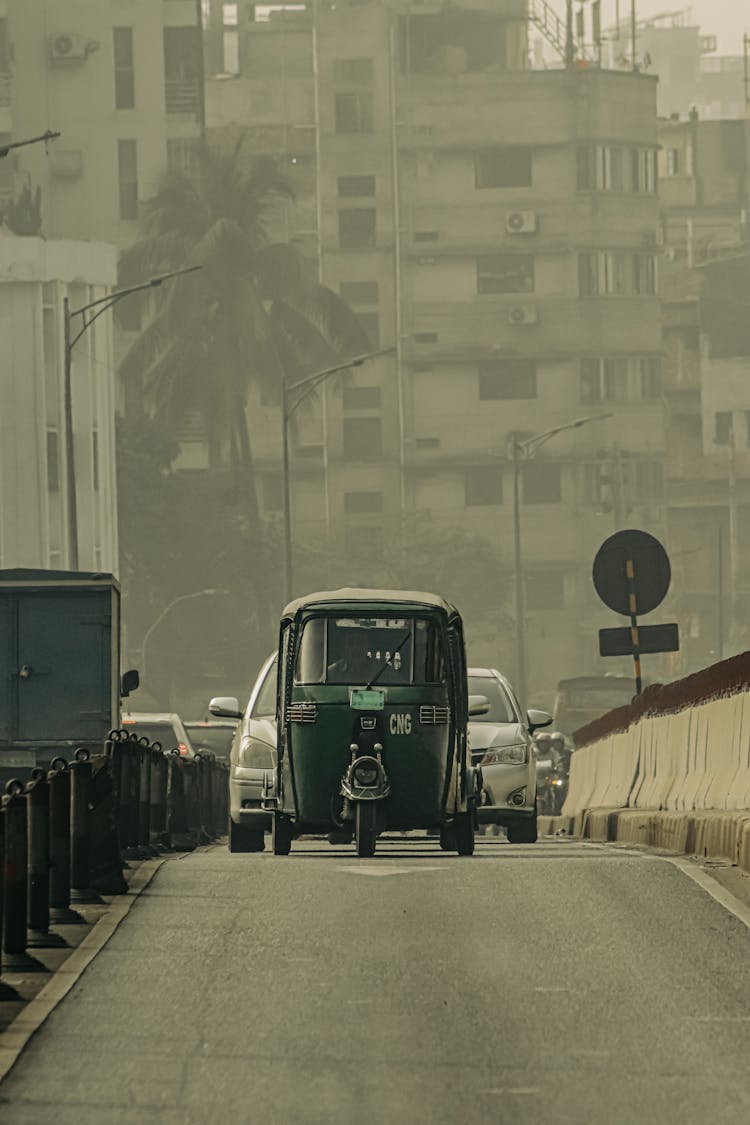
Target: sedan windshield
[(501, 709)]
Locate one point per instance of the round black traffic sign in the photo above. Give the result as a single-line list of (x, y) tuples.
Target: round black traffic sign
[(651, 571)]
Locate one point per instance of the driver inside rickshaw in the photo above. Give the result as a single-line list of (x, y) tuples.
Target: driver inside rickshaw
[(354, 661), (361, 651)]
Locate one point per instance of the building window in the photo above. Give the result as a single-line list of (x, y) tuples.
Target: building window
[(502, 167), (425, 337), (363, 439), (426, 236), (356, 185), (595, 482), (361, 398), (230, 38), (183, 70), (358, 293), (723, 427), (649, 481), (507, 379), (370, 324), (127, 176), (362, 503), (182, 154), (615, 274), (53, 461), (271, 492), (353, 113), (620, 379), (483, 486), (545, 590), (505, 273), (357, 227), (124, 73), (353, 71), (541, 482), (602, 167), (427, 442)]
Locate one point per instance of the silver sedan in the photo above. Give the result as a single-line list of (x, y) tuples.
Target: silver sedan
[(501, 743), (252, 761)]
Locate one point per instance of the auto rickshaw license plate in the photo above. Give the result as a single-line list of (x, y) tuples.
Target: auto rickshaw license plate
[(367, 699)]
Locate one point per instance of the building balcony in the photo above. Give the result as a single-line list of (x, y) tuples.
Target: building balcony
[(183, 95)]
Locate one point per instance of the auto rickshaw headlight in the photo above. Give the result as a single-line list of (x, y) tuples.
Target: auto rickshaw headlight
[(366, 773), (505, 755), (256, 755)]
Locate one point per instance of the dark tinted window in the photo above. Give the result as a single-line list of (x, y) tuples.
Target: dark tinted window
[(216, 739), (355, 650), (265, 704)]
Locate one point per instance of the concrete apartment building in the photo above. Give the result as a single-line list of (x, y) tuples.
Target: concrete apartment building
[(122, 82), (704, 199), (498, 226)]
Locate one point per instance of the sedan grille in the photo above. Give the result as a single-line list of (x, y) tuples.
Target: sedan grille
[(432, 716), (303, 712)]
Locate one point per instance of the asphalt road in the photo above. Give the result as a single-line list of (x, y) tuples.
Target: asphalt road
[(562, 982)]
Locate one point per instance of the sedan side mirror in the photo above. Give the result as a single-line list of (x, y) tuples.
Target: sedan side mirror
[(479, 705), (228, 707), (538, 719)]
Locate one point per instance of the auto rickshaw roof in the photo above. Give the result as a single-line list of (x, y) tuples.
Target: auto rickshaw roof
[(355, 599)]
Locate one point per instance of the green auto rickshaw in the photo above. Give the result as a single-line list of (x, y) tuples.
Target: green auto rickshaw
[(372, 721)]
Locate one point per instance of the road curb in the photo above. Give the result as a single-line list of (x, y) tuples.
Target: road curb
[(28, 1021)]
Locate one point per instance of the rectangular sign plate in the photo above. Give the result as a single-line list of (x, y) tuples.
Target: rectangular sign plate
[(367, 699), (651, 639), (17, 759)]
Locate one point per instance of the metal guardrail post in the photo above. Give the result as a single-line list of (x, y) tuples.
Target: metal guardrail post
[(80, 830), (59, 830), (38, 882), (15, 893), (158, 797), (134, 793), (144, 797)]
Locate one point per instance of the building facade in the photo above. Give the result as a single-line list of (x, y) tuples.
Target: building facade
[(497, 226), (36, 275)]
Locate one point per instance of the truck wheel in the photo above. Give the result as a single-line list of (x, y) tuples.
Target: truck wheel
[(463, 827), (366, 828), (244, 839), (281, 834)]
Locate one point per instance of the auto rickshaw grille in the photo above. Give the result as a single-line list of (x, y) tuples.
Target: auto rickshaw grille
[(432, 716), (303, 712)]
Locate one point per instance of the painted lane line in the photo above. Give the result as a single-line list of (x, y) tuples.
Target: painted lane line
[(718, 893), (387, 870)]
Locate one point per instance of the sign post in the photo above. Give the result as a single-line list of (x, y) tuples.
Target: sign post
[(632, 576)]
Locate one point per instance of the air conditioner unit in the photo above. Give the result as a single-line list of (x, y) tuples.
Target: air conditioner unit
[(69, 47), (523, 314), (521, 222)]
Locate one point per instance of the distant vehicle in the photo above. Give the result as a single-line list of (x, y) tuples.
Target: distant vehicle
[(165, 727), (501, 743), (582, 699), (252, 760), (215, 736)]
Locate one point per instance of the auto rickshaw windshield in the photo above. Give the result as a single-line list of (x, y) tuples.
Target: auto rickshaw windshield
[(362, 650)]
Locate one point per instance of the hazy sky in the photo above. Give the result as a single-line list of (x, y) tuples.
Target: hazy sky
[(727, 19)]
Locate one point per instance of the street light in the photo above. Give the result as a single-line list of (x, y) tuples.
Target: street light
[(44, 137), (524, 451), (163, 614), (102, 305), (306, 387)]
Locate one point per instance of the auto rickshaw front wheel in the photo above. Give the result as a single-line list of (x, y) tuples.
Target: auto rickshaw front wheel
[(366, 830), (463, 830), (281, 834)]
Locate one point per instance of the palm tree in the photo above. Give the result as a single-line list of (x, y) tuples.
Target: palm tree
[(249, 316)]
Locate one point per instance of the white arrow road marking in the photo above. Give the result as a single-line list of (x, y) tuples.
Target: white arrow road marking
[(387, 870)]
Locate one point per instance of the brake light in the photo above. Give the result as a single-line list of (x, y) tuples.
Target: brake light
[(183, 749)]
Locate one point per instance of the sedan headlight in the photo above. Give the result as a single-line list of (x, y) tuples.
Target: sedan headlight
[(505, 755), (256, 755)]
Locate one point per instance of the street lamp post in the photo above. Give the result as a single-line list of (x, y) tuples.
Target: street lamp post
[(101, 305), (162, 615), (524, 451), (302, 389)]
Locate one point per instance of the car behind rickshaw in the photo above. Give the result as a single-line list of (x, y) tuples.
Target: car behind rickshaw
[(373, 712)]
